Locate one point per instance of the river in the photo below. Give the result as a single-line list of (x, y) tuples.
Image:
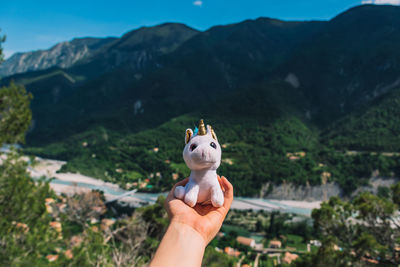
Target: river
[(70, 183)]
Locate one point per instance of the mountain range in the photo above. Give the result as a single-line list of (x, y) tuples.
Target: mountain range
[(61, 55), (270, 88)]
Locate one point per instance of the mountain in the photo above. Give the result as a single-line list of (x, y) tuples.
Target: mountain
[(351, 62), (137, 49), (61, 55), (72, 94), (162, 83), (375, 127), (285, 98)]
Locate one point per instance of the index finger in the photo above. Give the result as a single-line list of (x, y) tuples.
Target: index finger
[(228, 194), (220, 183)]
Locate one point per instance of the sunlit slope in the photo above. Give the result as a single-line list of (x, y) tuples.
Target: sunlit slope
[(375, 127)]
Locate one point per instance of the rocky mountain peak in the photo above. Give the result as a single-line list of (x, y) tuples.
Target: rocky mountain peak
[(63, 55)]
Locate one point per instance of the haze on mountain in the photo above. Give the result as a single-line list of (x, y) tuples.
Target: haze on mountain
[(269, 87)]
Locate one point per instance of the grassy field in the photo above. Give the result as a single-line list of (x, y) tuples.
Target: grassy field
[(239, 230), (296, 242)]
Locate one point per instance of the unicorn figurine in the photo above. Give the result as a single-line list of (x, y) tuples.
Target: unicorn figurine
[(202, 154)]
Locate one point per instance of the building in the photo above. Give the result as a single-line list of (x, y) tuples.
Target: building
[(246, 241), (336, 247), (76, 241), (106, 224), (56, 226), (289, 257), (275, 244), (231, 252), (316, 243), (52, 258)]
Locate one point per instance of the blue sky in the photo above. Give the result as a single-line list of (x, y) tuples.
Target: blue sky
[(31, 25)]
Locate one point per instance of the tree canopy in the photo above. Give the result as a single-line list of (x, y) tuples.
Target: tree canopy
[(360, 232)]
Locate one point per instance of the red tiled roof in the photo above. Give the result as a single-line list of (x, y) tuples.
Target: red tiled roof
[(245, 240)]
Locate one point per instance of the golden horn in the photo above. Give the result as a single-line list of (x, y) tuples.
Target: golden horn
[(202, 128), (213, 133)]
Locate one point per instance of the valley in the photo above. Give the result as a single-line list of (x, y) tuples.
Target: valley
[(72, 183), (307, 114), (288, 100)]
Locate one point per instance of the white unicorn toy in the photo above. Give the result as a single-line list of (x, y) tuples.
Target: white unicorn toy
[(202, 154)]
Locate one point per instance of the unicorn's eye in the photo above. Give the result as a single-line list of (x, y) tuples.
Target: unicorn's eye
[(213, 145), (193, 147)]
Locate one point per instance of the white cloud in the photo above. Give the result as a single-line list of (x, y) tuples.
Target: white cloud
[(198, 3), (381, 2)]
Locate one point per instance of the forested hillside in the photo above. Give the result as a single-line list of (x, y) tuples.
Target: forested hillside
[(286, 99)]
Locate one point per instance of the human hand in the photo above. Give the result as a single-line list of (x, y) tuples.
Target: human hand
[(204, 219)]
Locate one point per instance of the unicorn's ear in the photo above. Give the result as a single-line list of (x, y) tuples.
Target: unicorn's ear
[(188, 135), (211, 132)]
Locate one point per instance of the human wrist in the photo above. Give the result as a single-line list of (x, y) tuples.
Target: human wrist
[(187, 234), (182, 246)]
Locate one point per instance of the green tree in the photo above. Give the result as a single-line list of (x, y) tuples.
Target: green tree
[(25, 234), (15, 114), (2, 40), (358, 232), (213, 258)]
